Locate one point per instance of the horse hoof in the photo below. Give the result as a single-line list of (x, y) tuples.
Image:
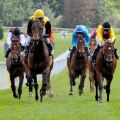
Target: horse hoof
[(30, 94), (19, 97), (15, 96), (74, 83), (80, 93), (50, 93), (41, 98), (36, 98), (100, 100), (70, 94)]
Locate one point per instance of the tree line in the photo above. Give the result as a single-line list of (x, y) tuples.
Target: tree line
[(17, 12)]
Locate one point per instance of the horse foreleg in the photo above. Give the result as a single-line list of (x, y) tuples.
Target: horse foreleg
[(100, 81), (44, 84), (108, 88), (91, 79), (82, 80), (71, 84), (50, 92), (36, 87), (30, 85), (21, 78), (13, 87), (96, 86)]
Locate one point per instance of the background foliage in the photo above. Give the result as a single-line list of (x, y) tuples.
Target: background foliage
[(17, 12)]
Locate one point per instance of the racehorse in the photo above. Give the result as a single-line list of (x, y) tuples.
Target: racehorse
[(38, 61), (78, 64), (15, 66), (91, 66), (105, 68)]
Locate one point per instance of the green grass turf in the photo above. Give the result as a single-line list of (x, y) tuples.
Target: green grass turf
[(62, 106)]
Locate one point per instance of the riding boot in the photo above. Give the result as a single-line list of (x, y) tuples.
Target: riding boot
[(95, 54), (50, 47), (116, 54), (87, 51), (7, 52), (72, 51)]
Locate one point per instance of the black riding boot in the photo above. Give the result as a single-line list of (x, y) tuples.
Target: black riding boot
[(95, 54), (50, 47), (7, 52), (116, 54), (72, 51)]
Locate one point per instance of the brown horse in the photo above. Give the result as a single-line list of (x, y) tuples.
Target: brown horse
[(15, 66), (91, 66), (105, 68), (78, 64), (38, 61)]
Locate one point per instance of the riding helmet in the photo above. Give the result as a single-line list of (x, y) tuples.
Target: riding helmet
[(38, 13), (16, 31), (106, 25), (78, 29)]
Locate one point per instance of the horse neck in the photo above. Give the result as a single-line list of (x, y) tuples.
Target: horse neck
[(39, 50)]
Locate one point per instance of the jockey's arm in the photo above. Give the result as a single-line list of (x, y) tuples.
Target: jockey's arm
[(9, 38), (47, 29), (112, 35), (87, 39), (74, 40), (99, 35), (22, 39)]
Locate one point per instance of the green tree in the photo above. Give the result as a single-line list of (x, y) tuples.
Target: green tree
[(55, 5), (102, 10), (15, 12)]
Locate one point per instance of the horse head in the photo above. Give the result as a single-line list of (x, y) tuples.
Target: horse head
[(37, 33), (15, 50), (108, 52), (37, 30), (80, 44)]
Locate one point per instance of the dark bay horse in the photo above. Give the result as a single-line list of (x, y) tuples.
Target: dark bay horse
[(105, 68), (77, 65), (91, 66), (38, 61), (15, 66)]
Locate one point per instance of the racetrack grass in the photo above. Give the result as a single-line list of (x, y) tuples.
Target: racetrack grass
[(62, 106)]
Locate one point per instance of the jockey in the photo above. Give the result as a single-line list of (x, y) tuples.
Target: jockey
[(39, 14), (16, 32), (104, 32), (80, 29)]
